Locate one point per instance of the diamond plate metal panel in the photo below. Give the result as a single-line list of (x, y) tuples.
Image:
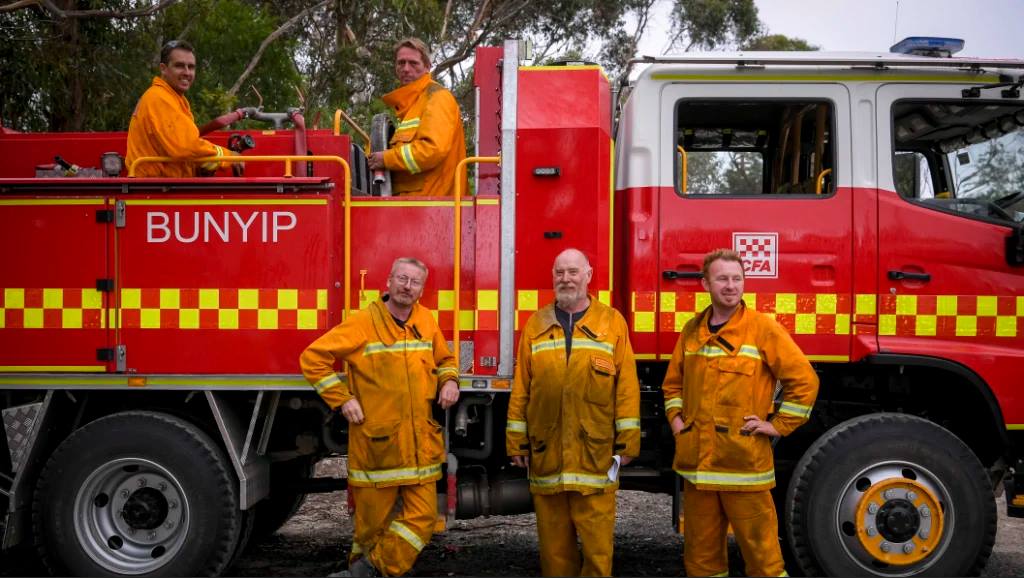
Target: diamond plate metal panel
[(19, 426)]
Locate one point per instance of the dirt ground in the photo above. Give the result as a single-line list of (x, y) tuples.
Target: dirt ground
[(315, 540)]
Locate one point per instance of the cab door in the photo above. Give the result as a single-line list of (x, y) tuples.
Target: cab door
[(948, 201), (767, 175)]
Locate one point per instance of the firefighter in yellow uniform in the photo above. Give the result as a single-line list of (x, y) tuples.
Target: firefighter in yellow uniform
[(429, 141), (397, 361), (719, 391), (162, 124), (573, 418)]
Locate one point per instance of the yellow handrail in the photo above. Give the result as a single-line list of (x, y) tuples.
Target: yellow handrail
[(682, 169), (338, 115), (288, 160), (821, 180), (460, 171)]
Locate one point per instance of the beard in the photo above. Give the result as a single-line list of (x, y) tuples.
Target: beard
[(567, 298)]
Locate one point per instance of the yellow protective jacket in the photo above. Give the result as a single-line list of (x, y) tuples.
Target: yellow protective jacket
[(429, 141), (572, 415), (394, 372), (163, 126), (715, 379)]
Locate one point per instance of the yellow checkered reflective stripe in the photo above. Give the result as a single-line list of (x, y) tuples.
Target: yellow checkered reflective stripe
[(163, 308), (331, 381), (572, 479), (402, 346), (997, 316), (674, 403), (795, 409), (405, 152), (727, 478), (627, 423), (515, 425), (406, 534), (408, 124), (396, 475)]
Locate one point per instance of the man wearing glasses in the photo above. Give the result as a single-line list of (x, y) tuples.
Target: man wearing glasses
[(162, 124), (398, 363), (429, 141)]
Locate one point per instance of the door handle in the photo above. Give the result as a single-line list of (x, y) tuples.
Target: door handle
[(671, 275), (907, 276)]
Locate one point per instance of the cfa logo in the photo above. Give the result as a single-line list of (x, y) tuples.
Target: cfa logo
[(760, 253)]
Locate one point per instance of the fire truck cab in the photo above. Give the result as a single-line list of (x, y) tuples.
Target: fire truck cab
[(154, 413)]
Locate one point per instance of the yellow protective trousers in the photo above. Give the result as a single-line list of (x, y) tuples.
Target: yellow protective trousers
[(392, 540), (561, 518), (752, 515)]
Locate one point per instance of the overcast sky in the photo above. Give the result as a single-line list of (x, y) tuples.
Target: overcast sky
[(991, 28)]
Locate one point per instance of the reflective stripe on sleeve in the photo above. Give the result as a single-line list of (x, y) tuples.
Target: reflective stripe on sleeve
[(674, 403), (405, 151), (627, 423), (795, 409), (328, 382), (515, 425)]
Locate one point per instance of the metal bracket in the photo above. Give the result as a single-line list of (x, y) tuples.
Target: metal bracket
[(253, 470), (120, 214)]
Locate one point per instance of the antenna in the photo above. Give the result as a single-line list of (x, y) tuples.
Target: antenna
[(896, 22)]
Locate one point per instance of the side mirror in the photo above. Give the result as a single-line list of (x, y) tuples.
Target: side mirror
[(1015, 246)]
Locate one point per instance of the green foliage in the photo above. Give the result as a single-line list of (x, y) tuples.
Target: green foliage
[(778, 42), (86, 73)]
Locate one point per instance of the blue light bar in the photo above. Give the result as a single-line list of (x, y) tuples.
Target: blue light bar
[(928, 46)]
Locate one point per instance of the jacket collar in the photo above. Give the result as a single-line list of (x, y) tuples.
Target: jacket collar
[(731, 335), (384, 324), (162, 84), (402, 98), (593, 323)]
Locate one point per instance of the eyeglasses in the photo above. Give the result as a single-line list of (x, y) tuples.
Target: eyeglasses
[(407, 280)]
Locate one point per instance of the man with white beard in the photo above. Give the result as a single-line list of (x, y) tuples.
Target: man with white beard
[(573, 418)]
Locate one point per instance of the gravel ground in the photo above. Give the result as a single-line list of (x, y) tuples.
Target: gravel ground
[(315, 540)]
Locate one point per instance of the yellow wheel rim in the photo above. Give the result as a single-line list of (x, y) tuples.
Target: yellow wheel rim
[(899, 521)]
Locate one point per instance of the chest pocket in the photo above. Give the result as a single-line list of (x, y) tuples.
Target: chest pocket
[(601, 385), (735, 381)]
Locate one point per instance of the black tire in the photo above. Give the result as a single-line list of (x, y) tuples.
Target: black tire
[(283, 501), (137, 493), (858, 503)]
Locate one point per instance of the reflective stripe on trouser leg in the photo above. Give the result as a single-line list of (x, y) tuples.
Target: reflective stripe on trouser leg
[(704, 533), (401, 540), (756, 526), (556, 535), (371, 517), (594, 518)]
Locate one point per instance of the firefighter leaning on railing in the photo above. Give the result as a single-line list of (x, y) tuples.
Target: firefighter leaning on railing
[(162, 124), (719, 391), (429, 141)]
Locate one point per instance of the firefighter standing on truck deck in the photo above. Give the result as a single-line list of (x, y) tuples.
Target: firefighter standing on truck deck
[(162, 124), (429, 141), (718, 395), (397, 360), (573, 416)]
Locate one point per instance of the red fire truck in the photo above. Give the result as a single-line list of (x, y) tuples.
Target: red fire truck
[(154, 413)]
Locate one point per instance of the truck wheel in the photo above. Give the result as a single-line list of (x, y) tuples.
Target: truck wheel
[(283, 501), (137, 493), (890, 495)]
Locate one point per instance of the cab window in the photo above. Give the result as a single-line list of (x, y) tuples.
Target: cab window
[(961, 157), (778, 147)]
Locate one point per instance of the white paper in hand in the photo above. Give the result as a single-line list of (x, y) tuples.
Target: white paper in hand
[(613, 472)]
